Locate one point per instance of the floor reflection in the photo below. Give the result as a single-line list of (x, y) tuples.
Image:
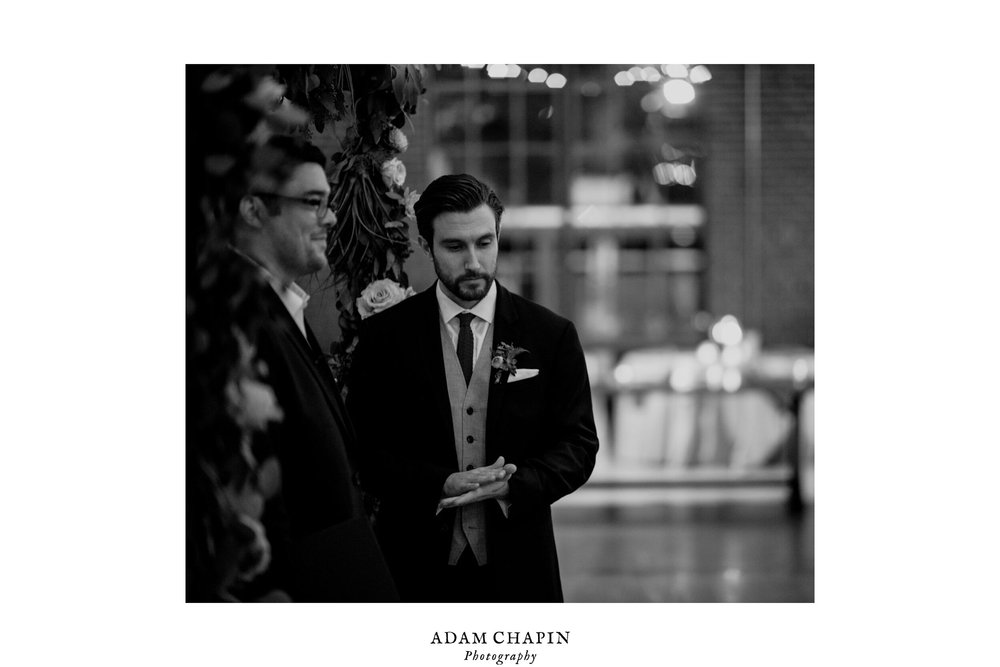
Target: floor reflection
[(686, 553)]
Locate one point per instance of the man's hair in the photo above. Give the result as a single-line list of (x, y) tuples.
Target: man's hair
[(454, 193), (274, 161)]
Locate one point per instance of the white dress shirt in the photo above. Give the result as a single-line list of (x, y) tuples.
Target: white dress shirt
[(292, 296), (295, 300), (483, 311)]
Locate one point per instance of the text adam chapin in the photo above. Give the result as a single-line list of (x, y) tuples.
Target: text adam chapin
[(502, 638)]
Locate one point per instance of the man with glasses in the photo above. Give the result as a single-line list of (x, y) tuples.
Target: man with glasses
[(323, 547)]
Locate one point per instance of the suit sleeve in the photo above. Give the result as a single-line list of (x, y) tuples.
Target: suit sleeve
[(569, 451), (391, 460)]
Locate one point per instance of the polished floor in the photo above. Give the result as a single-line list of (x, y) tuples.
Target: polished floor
[(688, 552)]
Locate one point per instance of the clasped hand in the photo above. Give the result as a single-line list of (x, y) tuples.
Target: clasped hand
[(476, 485)]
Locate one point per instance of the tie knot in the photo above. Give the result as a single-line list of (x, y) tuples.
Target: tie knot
[(465, 320)]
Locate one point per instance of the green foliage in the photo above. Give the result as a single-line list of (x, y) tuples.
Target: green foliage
[(364, 108), (229, 476)]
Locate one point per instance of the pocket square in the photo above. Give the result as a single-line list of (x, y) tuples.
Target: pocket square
[(522, 374)]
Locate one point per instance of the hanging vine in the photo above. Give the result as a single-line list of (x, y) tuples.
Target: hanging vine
[(364, 108)]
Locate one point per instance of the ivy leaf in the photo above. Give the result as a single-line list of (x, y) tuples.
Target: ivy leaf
[(412, 89), (312, 82), (375, 127), (329, 102), (399, 83)]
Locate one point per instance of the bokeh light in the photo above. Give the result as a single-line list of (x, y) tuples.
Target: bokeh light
[(555, 81), (652, 102), (624, 79), (707, 352), (675, 71), (537, 75), (732, 379), (700, 74), (727, 331), (624, 374), (678, 91)]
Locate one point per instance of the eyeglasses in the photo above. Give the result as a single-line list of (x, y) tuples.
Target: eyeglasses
[(320, 205)]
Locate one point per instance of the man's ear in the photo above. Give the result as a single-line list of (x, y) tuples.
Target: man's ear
[(425, 245), (250, 211)]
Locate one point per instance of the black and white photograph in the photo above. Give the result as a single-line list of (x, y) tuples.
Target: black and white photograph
[(500, 333), (316, 358)]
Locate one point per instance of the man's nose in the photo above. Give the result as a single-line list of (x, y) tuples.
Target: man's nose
[(472, 261), (330, 219)]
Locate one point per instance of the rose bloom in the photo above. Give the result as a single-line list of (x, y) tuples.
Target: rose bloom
[(393, 172), (379, 295), (410, 198), (398, 140)]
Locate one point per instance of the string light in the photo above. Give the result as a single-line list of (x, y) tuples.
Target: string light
[(624, 79), (537, 75), (650, 74), (700, 74), (675, 71), (555, 81)]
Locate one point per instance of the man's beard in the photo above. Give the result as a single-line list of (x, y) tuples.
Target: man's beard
[(468, 291)]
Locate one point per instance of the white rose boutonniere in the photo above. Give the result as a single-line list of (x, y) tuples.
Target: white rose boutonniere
[(393, 172), (379, 295)]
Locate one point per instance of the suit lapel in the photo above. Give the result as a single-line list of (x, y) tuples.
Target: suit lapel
[(505, 330), (428, 338), (322, 369), (307, 347)]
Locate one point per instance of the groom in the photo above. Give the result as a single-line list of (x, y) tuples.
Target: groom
[(473, 407)]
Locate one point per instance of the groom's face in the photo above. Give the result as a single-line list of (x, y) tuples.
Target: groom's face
[(464, 253)]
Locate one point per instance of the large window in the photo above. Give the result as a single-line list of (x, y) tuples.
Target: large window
[(600, 188)]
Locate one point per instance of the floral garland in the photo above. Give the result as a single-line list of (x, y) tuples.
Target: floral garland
[(233, 110), (229, 403), (365, 108)]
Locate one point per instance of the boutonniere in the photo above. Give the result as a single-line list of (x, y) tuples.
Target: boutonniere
[(505, 360)]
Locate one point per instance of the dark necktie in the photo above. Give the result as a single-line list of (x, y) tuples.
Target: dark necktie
[(465, 344)]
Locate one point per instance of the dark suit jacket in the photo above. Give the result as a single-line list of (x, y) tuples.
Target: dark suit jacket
[(323, 546), (545, 425)]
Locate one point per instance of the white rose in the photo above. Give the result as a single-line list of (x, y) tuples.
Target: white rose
[(393, 172), (398, 140), (379, 295)]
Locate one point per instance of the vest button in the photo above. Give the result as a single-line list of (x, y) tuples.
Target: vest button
[(470, 439), (469, 411)]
